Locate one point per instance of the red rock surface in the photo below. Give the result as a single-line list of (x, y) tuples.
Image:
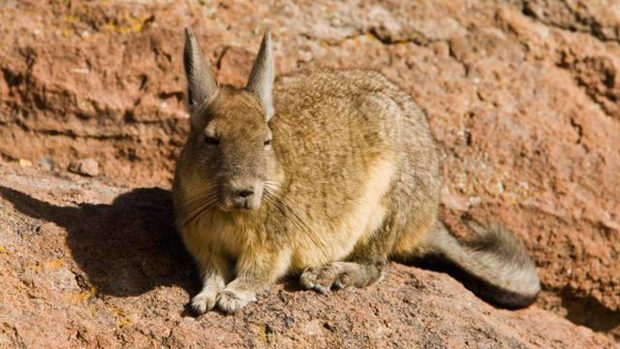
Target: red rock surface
[(85, 264), (522, 97)]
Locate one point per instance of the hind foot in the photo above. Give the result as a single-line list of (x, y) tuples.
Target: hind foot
[(341, 275)]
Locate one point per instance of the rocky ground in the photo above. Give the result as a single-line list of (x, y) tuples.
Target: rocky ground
[(522, 97)]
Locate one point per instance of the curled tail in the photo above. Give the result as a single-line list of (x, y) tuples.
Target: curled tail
[(495, 265)]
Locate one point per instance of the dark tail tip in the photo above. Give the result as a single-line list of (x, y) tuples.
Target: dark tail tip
[(494, 265), (490, 293)]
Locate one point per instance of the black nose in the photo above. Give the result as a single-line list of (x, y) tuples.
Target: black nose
[(244, 193)]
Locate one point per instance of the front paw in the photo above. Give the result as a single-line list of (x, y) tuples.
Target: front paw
[(204, 301), (231, 300)]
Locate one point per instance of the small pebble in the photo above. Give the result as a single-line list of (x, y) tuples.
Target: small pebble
[(47, 163), (85, 167), (25, 163)]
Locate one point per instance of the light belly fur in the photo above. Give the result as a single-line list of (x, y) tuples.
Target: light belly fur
[(357, 225)]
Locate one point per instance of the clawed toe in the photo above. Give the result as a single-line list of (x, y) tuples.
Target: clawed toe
[(324, 278), (230, 301), (316, 279), (203, 302), (339, 275), (227, 300)]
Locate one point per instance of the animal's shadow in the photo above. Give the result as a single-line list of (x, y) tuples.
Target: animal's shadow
[(125, 248)]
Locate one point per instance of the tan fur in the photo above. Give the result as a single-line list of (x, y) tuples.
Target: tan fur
[(349, 178)]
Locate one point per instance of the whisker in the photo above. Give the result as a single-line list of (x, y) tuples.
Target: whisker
[(197, 207), (291, 214), (194, 203), (201, 204), (204, 209)]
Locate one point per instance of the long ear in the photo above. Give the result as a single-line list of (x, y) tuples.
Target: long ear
[(261, 79), (201, 86)]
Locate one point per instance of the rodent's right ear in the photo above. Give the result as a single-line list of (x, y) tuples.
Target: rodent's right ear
[(201, 86)]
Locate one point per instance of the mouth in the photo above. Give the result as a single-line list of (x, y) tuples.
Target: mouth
[(231, 204), (243, 206), (241, 195)]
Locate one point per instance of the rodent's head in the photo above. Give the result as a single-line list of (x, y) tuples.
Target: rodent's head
[(230, 145)]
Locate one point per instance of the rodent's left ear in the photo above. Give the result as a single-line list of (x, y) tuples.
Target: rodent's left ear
[(260, 83)]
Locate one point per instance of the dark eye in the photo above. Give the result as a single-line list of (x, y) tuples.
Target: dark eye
[(211, 140), (267, 143)]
